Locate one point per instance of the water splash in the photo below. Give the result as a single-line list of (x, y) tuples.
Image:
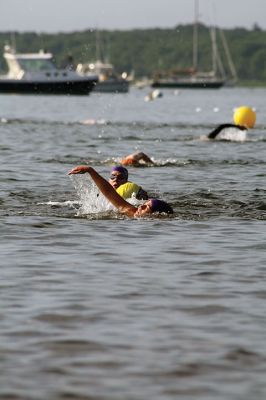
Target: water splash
[(91, 199), (232, 134), (69, 203)]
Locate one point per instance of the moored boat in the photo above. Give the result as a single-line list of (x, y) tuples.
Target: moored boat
[(108, 80), (193, 81), (36, 73), (194, 78)]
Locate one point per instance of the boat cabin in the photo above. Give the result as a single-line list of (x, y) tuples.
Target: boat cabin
[(19, 64)]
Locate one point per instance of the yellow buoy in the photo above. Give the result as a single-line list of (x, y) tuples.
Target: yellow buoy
[(245, 116)]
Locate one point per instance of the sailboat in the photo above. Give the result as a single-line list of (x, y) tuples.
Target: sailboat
[(192, 77), (108, 80)]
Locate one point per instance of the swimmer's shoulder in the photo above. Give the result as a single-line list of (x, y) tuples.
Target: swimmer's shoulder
[(129, 160)]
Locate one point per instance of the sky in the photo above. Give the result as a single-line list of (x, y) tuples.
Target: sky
[(77, 15)]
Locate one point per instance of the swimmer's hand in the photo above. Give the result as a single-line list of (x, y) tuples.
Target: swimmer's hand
[(80, 169)]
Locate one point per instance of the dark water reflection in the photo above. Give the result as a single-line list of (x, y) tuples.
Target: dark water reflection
[(102, 307)]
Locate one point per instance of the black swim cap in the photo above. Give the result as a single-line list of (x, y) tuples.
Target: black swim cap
[(161, 206)]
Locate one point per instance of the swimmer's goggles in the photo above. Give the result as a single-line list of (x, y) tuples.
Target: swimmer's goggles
[(119, 177)]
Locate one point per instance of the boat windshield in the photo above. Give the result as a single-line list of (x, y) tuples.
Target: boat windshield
[(36, 65)]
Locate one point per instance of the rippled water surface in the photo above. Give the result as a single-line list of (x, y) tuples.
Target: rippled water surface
[(97, 306)]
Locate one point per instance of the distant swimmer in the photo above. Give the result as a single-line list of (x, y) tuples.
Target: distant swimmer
[(136, 159), (149, 207), (244, 119), (222, 129), (119, 180)]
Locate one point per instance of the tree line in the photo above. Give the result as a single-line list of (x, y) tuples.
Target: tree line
[(148, 51)]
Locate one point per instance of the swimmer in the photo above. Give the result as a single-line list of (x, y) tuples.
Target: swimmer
[(136, 159), (244, 119), (119, 181), (221, 128), (149, 207)]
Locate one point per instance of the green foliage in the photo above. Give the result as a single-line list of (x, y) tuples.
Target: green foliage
[(147, 51)]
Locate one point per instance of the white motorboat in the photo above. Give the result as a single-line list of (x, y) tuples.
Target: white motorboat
[(36, 73)]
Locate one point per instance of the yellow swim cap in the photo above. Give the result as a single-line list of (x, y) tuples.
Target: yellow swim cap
[(127, 189), (245, 116)]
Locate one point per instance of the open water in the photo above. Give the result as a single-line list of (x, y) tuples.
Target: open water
[(99, 306)]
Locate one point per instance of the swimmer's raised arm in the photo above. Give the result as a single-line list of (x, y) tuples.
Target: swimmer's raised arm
[(140, 156), (136, 159), (107, 190), (216, 131)]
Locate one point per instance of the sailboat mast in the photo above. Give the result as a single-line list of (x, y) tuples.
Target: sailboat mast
[(13, 41), (214, 49), (97, 45), (195, 35), (228, 55)]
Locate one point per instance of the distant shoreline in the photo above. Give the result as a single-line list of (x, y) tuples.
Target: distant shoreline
[(144, 52)]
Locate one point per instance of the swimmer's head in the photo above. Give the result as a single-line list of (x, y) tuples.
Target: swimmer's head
[(119, 176), (123, 171), (161, 206), (153, 206), (127, 189)]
